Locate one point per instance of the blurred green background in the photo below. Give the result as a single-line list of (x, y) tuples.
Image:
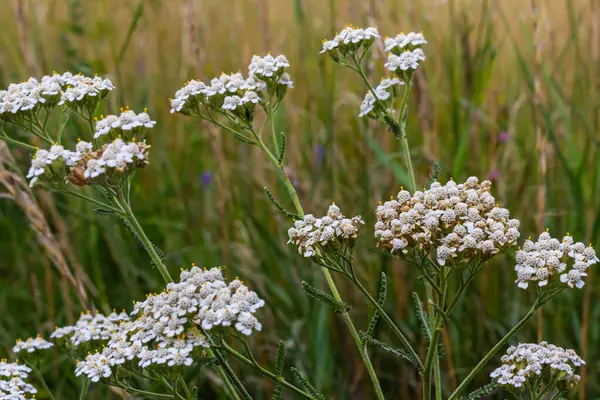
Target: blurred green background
[(509, 92)]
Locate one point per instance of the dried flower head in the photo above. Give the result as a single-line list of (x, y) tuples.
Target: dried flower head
[(550, 259), (459, 221), (533, 365)]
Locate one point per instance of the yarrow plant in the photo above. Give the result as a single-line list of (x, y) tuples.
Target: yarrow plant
[(13, 384), (541, 369), (447, 232)]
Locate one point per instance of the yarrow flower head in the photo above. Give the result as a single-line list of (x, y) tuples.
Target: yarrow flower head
[(529, 364), (31, 345), (117, 157), (50, 165), (12, 381), (386, 92), (127, 125), (89, 330), (405, 63), (402, 42), (551, 260), (331, 233), (458, 221), (84, 92), (348, 41), (167, 331)]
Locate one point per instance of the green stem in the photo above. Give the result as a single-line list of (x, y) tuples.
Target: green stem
[(254, 365), (84, 389), (431, 355), (133, 390), (38, 374), (389, 322), (7, 139), (156, 259), (330, 282), (273, 133), (495, 349), (96, 202)]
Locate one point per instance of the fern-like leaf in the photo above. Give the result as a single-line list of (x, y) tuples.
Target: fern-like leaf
[(422, 317), (282, 149), (381, 302), (370, 341), (279, 206), (338, 306), (306, 385), (481, 392)]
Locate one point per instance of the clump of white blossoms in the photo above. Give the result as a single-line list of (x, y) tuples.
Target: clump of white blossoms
[(538, 366), (550, 259), (168, 329), (235, 95), (84, 92), (12, 381), (89, 329), (385, 93), (333, 232), (22, 100), (405, 53), (459, 221), (349, 40), (31, 345), (127, 125)]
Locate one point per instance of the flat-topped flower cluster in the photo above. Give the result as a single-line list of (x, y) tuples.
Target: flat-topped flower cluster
[(12, 381), (89, 328), (21, 99), (528, 363), (126, 125), (31, 345), (549, 258), (458, 221), (82, 166), (267, 81), (168, 329), (331, 232), (349, 40)]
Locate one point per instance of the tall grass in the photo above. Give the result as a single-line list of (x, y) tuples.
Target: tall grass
[(493, 67)]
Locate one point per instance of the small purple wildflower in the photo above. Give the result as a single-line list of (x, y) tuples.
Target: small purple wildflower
[(206, 179), (503, 137)]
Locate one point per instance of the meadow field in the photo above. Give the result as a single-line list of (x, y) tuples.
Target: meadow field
[(509, 92)]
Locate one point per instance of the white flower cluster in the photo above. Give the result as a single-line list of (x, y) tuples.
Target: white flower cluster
[(403, 42), (31, 345), (89, 328), (268, 67), (50, 91), (80, 89), (169, 325), (44, 158), (348, 40), (12, 381), (547, 258), (117, 155), (529, 361), (405, 53), (408, 60), (195, 93), (386, 91), (128, 120), (461, 220), (330, 232)]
